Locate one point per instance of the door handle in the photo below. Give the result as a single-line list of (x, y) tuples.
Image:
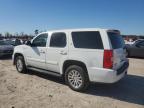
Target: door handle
[(41, 51), (63, 53)]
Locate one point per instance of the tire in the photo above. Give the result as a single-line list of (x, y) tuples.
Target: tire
[(20, 65), (76, 78)]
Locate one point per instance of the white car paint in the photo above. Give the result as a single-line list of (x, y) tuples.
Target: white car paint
[(53, 58)]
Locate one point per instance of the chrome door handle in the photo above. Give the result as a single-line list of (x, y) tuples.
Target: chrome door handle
[(42, 51), (63, 53)]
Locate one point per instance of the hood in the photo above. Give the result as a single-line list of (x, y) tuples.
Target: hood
[(19, 47), (6, 47)]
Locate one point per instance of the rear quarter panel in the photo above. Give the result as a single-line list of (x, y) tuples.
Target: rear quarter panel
[(91, 57)]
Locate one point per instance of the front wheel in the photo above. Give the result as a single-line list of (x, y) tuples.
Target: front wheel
[(20, 64), (76, 78)]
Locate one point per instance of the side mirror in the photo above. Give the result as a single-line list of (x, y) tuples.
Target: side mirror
[(29, 43)]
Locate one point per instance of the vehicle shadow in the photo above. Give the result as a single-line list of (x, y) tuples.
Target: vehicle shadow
[(47, 76), (136, 57), (130, 89)]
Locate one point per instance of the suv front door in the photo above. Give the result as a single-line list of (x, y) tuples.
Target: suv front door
[(35, 54), (56, 52)]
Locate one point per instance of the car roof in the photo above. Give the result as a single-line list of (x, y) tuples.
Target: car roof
[(79, 29)]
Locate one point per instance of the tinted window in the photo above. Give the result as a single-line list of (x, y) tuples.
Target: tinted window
[(17, 42), (140, 43), (10, 42), (4, 43), (88, 39), (116, 40), (40, 41), (58, 40)]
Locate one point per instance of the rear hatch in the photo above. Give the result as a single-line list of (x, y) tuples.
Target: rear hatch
[(118, 46)]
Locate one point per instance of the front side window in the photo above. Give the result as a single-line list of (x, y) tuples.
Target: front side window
[(40, 41), (87, 39), (58, 40)]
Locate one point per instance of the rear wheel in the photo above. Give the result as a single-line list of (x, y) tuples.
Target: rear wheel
[(76, 78), (20, 64)]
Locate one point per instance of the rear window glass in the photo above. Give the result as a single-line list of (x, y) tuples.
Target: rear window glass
[(116, 40), (87, 39)]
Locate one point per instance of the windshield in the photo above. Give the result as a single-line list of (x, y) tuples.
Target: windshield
[(4, 43), (116, 40), (10, 42)]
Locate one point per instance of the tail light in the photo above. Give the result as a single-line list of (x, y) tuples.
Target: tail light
[(108, 59)]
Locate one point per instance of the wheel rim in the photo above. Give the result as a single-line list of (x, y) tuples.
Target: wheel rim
[(19, 65), (75, 78)]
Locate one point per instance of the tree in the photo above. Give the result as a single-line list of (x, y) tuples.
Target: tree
[(36, 32), (22, 34), (16, 34), (7, 34)]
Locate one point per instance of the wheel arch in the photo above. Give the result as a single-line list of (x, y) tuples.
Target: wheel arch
[(67, 63), (16, 55)]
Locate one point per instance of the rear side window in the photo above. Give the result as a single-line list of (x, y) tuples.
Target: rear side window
[(87, 39), (116, 40), (58, 40)]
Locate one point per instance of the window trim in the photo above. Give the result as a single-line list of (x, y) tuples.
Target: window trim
[(56, 46)]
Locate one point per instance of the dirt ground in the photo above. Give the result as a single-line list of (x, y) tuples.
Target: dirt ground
[(36, 90)]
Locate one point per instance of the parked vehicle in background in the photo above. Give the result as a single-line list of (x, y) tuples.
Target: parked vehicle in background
[(14, 42), (136, 49), (129, 41), (5, 48), (79, 55)]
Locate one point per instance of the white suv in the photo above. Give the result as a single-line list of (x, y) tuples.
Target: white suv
[(79, 55)]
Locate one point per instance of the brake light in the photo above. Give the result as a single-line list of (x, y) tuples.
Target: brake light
[(108, 59)]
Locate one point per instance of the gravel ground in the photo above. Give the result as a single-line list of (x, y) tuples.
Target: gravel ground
[(35, 90)]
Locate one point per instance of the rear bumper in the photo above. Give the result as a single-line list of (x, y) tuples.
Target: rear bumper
[(107, 75), (122, 68)]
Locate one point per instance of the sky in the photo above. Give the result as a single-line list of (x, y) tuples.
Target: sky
[(29, 15)]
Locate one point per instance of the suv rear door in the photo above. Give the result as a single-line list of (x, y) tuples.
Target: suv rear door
[(119, 53), (87, 47)]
